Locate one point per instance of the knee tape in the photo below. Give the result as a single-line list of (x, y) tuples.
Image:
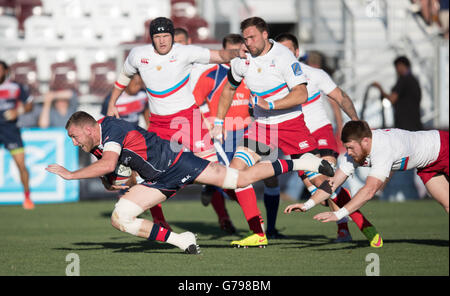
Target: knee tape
[(125, 213), (231, 179), (245, 156)]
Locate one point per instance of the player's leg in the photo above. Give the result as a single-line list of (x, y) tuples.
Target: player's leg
[(133, 203), (19, 158), (438, 187), (271, 203), (214, 195)]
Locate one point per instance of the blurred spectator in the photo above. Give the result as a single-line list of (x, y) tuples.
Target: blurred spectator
[(181, 36), (131, 103), (58, 106), (14, 100), (405, 96)]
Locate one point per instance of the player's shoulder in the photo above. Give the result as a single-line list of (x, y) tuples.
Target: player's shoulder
[(9, 84), (141, 49)]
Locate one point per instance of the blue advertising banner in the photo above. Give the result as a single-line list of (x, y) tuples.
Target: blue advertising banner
[(42, 147)]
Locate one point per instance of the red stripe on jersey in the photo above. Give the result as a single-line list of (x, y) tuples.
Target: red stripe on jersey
[(135, 141)]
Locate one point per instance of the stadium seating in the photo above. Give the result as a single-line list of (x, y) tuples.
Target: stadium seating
[(64, 76), (8, 28), (26, 74), (39, 29), (102, 78)]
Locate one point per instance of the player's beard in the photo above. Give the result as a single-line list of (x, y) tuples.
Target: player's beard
[(255, 51)]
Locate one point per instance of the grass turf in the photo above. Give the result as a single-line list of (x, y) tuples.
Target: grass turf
[(415, 233)]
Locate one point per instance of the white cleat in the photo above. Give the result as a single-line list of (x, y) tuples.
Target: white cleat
[(190, 246)]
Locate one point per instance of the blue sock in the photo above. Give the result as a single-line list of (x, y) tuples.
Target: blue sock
[(271, 202)]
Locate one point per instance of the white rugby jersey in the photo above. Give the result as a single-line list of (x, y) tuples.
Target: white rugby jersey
[(166, 77), (319, 82), (396, 149), (270, 77)]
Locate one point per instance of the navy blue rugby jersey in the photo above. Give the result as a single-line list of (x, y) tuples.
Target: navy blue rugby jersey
[(142, 151)]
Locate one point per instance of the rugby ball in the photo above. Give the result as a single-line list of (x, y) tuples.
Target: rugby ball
[(120, 176)]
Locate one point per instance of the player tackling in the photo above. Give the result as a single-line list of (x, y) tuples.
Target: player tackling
[(385, 151), (163, 169)]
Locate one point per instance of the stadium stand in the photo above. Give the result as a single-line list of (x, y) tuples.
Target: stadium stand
[(102, 77), (26, 74), (64, 76)]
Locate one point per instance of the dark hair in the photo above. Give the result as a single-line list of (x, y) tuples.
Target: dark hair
[(402, 60), (161, 25), (355, 130), (258, 22), (80, 118), (287, 36), (4, 64), (232, 39), (179, 30)]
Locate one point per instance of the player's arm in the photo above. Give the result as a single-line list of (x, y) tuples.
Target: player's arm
[(119, 86), (297, 96), (323, 192), (226, 98), (344, 102), (129, 69), (366, 193), (225, 56), (103, 166)]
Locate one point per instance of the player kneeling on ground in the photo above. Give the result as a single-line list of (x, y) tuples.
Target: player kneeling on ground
[(165, 168)]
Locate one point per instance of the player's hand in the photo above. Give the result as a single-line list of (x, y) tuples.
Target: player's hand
[(262, 103), (60, 171), (326, 217), (112, 111), (243, 51), (119, 187), (297, 207), (217, 133), (10, 114)]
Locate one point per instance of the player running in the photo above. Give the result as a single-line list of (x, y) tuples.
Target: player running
[(14, 101), (385, 151), (165, 68), (320, 127), (275, 77), (163, 169)]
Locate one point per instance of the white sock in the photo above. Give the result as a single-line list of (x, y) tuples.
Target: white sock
[(307, 162), (182, 240)]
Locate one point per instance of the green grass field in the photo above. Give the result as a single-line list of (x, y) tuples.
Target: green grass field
[(416, 242)]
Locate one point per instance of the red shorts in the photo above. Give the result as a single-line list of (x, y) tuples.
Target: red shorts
[(440, 166), (185, 127), (325, 140), (291, 136)]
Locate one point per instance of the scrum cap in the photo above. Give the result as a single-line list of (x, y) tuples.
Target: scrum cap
[(161, 25)]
